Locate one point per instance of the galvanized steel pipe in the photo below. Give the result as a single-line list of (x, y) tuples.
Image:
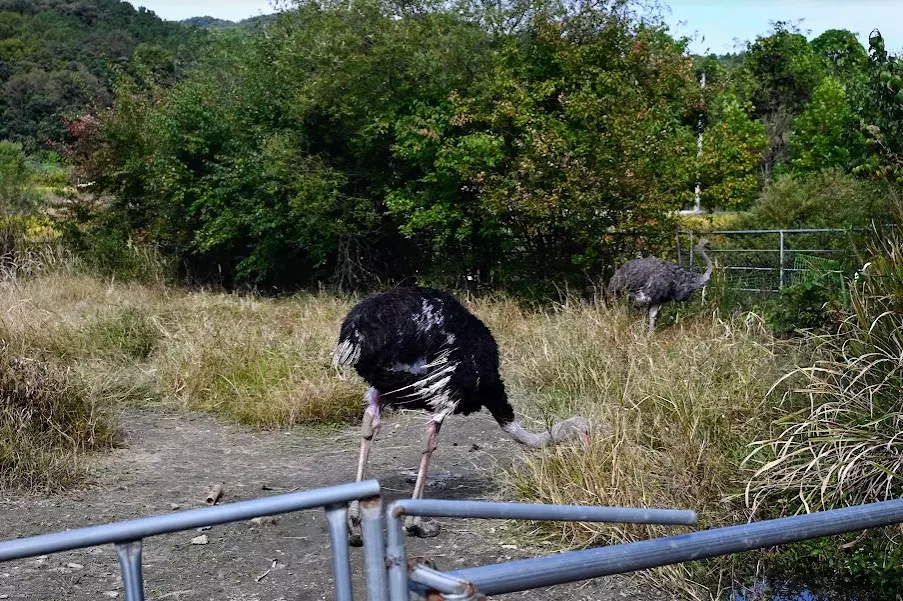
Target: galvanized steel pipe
[(618, 559)]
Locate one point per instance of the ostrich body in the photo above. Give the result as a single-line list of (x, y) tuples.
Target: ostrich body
[(419, 348), (651, 282)]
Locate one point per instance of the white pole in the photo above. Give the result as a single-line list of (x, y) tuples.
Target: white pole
[(697, 207)]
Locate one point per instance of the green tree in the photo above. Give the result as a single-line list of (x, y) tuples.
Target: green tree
[(732, 155), (785, 70), (841, 53), (13, 179), (569, 151), (386, 139), (882, 116), (825, 134)]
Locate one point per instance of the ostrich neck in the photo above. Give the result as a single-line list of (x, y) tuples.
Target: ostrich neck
[(709, 268), (528, 439)]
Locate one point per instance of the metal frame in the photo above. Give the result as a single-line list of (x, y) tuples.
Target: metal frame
[(127, 535), (781, 249), (452, 587), (392, 576)]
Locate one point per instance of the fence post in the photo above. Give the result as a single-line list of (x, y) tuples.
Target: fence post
[(690, 264), (781, 277)]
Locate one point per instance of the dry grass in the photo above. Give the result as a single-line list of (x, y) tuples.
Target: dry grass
[(49, 419), (672, 417), (264, 362), (672, 414)]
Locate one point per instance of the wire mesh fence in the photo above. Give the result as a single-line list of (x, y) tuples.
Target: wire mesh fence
[(770, 260)]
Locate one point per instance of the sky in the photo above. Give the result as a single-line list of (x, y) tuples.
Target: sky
[(715, 23)]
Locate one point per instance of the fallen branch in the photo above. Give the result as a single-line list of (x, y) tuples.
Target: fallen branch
[(214, 494)]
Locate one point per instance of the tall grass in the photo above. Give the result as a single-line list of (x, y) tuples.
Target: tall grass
[(49, 418), (671, 414), (841, 430), (262, 361)]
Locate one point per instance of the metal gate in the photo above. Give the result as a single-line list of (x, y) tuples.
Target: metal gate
[(392, 576), (768, 260)]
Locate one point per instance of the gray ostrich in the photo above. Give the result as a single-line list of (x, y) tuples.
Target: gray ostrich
[(651, 282)]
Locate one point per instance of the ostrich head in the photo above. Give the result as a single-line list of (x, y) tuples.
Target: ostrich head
[(703, 244), (569, 429)]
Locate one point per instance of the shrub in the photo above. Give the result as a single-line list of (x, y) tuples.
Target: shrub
[(836, 440), (827, 199), (815, 301), (48, 420)]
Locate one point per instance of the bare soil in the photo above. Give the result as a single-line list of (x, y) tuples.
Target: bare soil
[(168, 462)]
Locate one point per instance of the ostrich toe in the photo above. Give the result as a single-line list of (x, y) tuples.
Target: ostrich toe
[(421, 527)]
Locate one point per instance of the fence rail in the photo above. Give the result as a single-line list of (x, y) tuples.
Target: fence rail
[(768, 260), (127, 535), (392, 576)]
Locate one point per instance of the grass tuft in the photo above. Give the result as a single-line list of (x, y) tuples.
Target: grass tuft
[(48, 420), (671, 417)]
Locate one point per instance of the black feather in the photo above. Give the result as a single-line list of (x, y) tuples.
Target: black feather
[(422, 326)]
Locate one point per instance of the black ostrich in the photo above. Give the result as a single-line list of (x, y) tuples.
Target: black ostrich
[(651, 282), (419, 348)]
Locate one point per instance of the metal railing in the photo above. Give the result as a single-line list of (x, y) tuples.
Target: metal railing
[(426, 581), (769, 260), (392, 576), (127, 535)]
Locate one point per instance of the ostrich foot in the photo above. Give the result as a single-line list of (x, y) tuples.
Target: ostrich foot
[(421, 527)]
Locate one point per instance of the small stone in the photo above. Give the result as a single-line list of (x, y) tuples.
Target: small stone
[(75, 566), (203, 528), (111, 594), (174, 506), (200, 540), (264, 520), (4, 596)]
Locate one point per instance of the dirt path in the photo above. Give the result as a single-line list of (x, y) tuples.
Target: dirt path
[(170, 460)]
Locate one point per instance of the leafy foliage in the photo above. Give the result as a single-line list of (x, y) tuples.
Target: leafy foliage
[(14, 175), (827, 199), (355, 145), (733, 153), (57, 56), (841, 53), (883, 102), (824, 134)]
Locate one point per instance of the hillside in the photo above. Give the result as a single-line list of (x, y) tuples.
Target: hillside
[(57, 56), (208, 22)]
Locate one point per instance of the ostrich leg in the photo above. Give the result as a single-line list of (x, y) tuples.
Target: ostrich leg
[(416, 525), (653, 314), (369, 430)]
